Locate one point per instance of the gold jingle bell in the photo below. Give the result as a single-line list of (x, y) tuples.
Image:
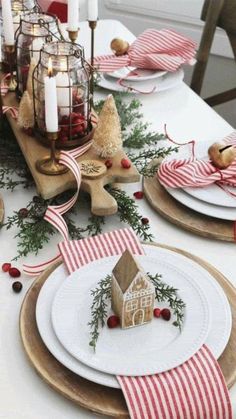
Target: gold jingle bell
[(222, 155), (119, 46)]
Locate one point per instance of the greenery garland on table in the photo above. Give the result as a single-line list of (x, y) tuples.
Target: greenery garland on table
[(33, 230)]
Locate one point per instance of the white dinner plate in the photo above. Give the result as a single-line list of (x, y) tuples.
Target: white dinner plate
[(158, 345), (223, 213), (216, 340), (139, 74), (211, 194), (168, 81)]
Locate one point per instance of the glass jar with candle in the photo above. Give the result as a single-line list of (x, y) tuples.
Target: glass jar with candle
[(35, 29), (18, 7), (73, 93)]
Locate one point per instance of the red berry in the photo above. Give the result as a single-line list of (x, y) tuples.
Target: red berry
[(125, 163), (138, 194), (6, 267), (108, 163), (157, 312), (145, 221), (165, 314), (113, 321), (14, 272), (17, 286), (64, 120), (23, 212)]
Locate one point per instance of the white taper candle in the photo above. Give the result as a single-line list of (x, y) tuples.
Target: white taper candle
[(73, 15), (50, 92), (8, 27), (92, 10)]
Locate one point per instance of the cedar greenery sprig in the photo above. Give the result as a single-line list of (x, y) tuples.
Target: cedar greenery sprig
[(101, 297), (164, 292), (128, 213), (102, 301)]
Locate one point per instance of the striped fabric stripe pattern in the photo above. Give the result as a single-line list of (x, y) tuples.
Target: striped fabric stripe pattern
[(194, 390), (154, 50), (78, 253), (54, 214), (190, 172)]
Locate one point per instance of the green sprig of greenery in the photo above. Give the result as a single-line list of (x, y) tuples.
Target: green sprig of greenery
[(101, 297)]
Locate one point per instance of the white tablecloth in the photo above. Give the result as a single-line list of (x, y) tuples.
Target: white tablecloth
[(24, 395)]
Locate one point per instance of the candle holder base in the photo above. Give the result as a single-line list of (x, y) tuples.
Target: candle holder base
[(51, 167), (73, 35)]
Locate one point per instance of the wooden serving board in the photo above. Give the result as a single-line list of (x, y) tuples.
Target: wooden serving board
[(96, 398), (183, 216), (1, 210), (102, 203)]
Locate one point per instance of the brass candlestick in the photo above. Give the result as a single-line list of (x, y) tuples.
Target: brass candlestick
[(50, 165), (92, 25), (10, 57), (73, 35)]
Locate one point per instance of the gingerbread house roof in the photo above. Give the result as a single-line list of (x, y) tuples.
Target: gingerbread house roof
[(126, 270)]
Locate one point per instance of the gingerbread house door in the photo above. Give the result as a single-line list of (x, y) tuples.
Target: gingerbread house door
[(138, 317)]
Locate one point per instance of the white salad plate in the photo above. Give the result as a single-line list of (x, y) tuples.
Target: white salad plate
[(215, 211), (211, 194), (216, 340), (157, 346), (168, 81), (136, 74)]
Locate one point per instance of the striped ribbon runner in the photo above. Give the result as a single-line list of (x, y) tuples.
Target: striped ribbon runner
[(194, 390), (54, 213), (12, 110), (178, 173), (4, 85), (154, 50)]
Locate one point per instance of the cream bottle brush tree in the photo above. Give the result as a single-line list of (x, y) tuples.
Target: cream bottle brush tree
[(107, 139)]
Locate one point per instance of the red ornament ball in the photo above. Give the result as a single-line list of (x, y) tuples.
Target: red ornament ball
[(17, 286), (108, 163), (113, 321), (138, 195), (125, 163), (145, 221), (6, 267), (23, 213), (157, 312), (166, 314), (14, 272)]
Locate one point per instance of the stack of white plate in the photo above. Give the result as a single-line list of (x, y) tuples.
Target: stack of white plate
[(141, 81), (64, 309), (211, 200)]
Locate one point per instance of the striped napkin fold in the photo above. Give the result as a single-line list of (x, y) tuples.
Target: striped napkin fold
[(190, 172), (194, 390), (153, 50)]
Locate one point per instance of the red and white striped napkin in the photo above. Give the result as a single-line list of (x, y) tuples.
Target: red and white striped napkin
[(153, 50), (190, 172), (194, 390)]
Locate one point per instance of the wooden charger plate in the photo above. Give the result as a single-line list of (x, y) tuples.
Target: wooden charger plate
[(183, 216), (94, 397)]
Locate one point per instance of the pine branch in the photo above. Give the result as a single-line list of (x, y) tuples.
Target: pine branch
[(101, 297), (128, 213), (167, 293)]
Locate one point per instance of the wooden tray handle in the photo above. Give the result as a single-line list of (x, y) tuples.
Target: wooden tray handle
[(102, 203)]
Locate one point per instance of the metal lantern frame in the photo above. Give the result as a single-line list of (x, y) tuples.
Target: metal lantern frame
[(33, 29), (74, 54), (24, 6)]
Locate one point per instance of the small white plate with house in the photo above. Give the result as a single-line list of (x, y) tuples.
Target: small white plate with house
[(151, 348)]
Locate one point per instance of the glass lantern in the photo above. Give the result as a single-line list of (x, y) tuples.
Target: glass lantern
[(18, 7), (73, 93), (35, 29)]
